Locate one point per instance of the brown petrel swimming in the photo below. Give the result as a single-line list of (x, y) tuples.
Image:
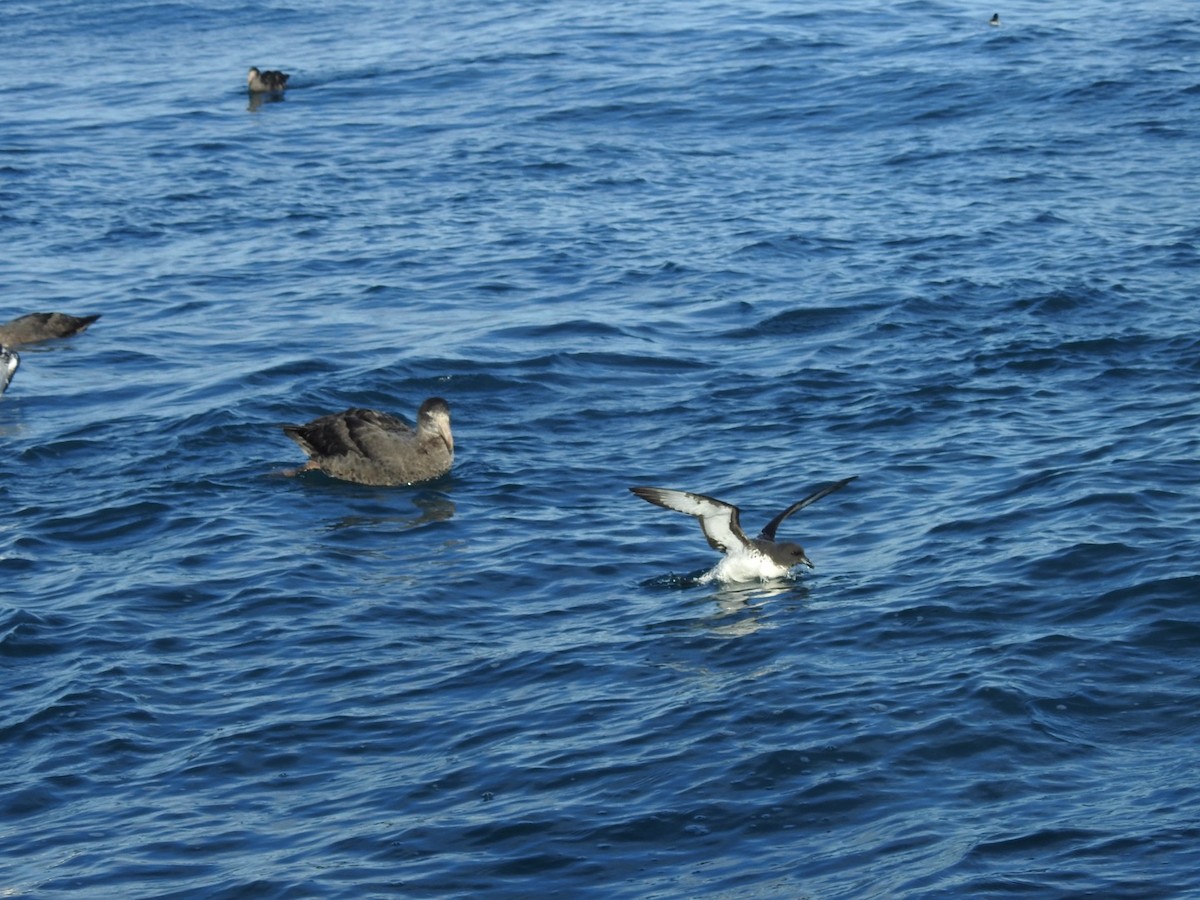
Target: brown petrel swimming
[(372, 447)]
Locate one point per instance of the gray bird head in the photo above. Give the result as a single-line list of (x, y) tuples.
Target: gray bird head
[(788, 554), (433, 418)]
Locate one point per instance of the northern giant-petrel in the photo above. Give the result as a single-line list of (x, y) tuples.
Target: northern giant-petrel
[(746, 559), (372, 447)]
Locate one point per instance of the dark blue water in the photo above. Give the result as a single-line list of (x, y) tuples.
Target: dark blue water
[(744, 249)]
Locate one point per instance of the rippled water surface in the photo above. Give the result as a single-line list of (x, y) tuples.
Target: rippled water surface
[(743, 249)]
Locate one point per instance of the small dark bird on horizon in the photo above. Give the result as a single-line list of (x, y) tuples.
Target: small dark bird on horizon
[(269, 82)]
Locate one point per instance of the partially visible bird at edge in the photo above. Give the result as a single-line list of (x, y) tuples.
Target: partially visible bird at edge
[(42, 326), (10, 360)]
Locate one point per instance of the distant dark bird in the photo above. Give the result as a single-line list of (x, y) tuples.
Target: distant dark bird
[(995, 19), (271, 82), (746, 559), (9, 360), (372, 447), (36, 327)]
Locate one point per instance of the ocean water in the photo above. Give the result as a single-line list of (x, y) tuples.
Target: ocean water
[(743, 249)]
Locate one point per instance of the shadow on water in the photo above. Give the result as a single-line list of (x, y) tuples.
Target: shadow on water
[(741, 591), (257, 100), (431, 505), (738, 606), (431, 508)]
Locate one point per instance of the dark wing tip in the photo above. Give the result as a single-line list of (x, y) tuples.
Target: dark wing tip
[(768, 531), (647, 493), (82, 323), (653, 495)]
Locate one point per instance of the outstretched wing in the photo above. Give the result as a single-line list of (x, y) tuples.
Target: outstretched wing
[(768, 532), (718, 520)]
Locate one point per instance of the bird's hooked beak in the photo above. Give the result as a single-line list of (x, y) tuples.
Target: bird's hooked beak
[(444, 431), (805, 561)]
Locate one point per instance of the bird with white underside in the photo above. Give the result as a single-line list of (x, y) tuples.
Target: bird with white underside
[(746, 559), (10, 360)]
